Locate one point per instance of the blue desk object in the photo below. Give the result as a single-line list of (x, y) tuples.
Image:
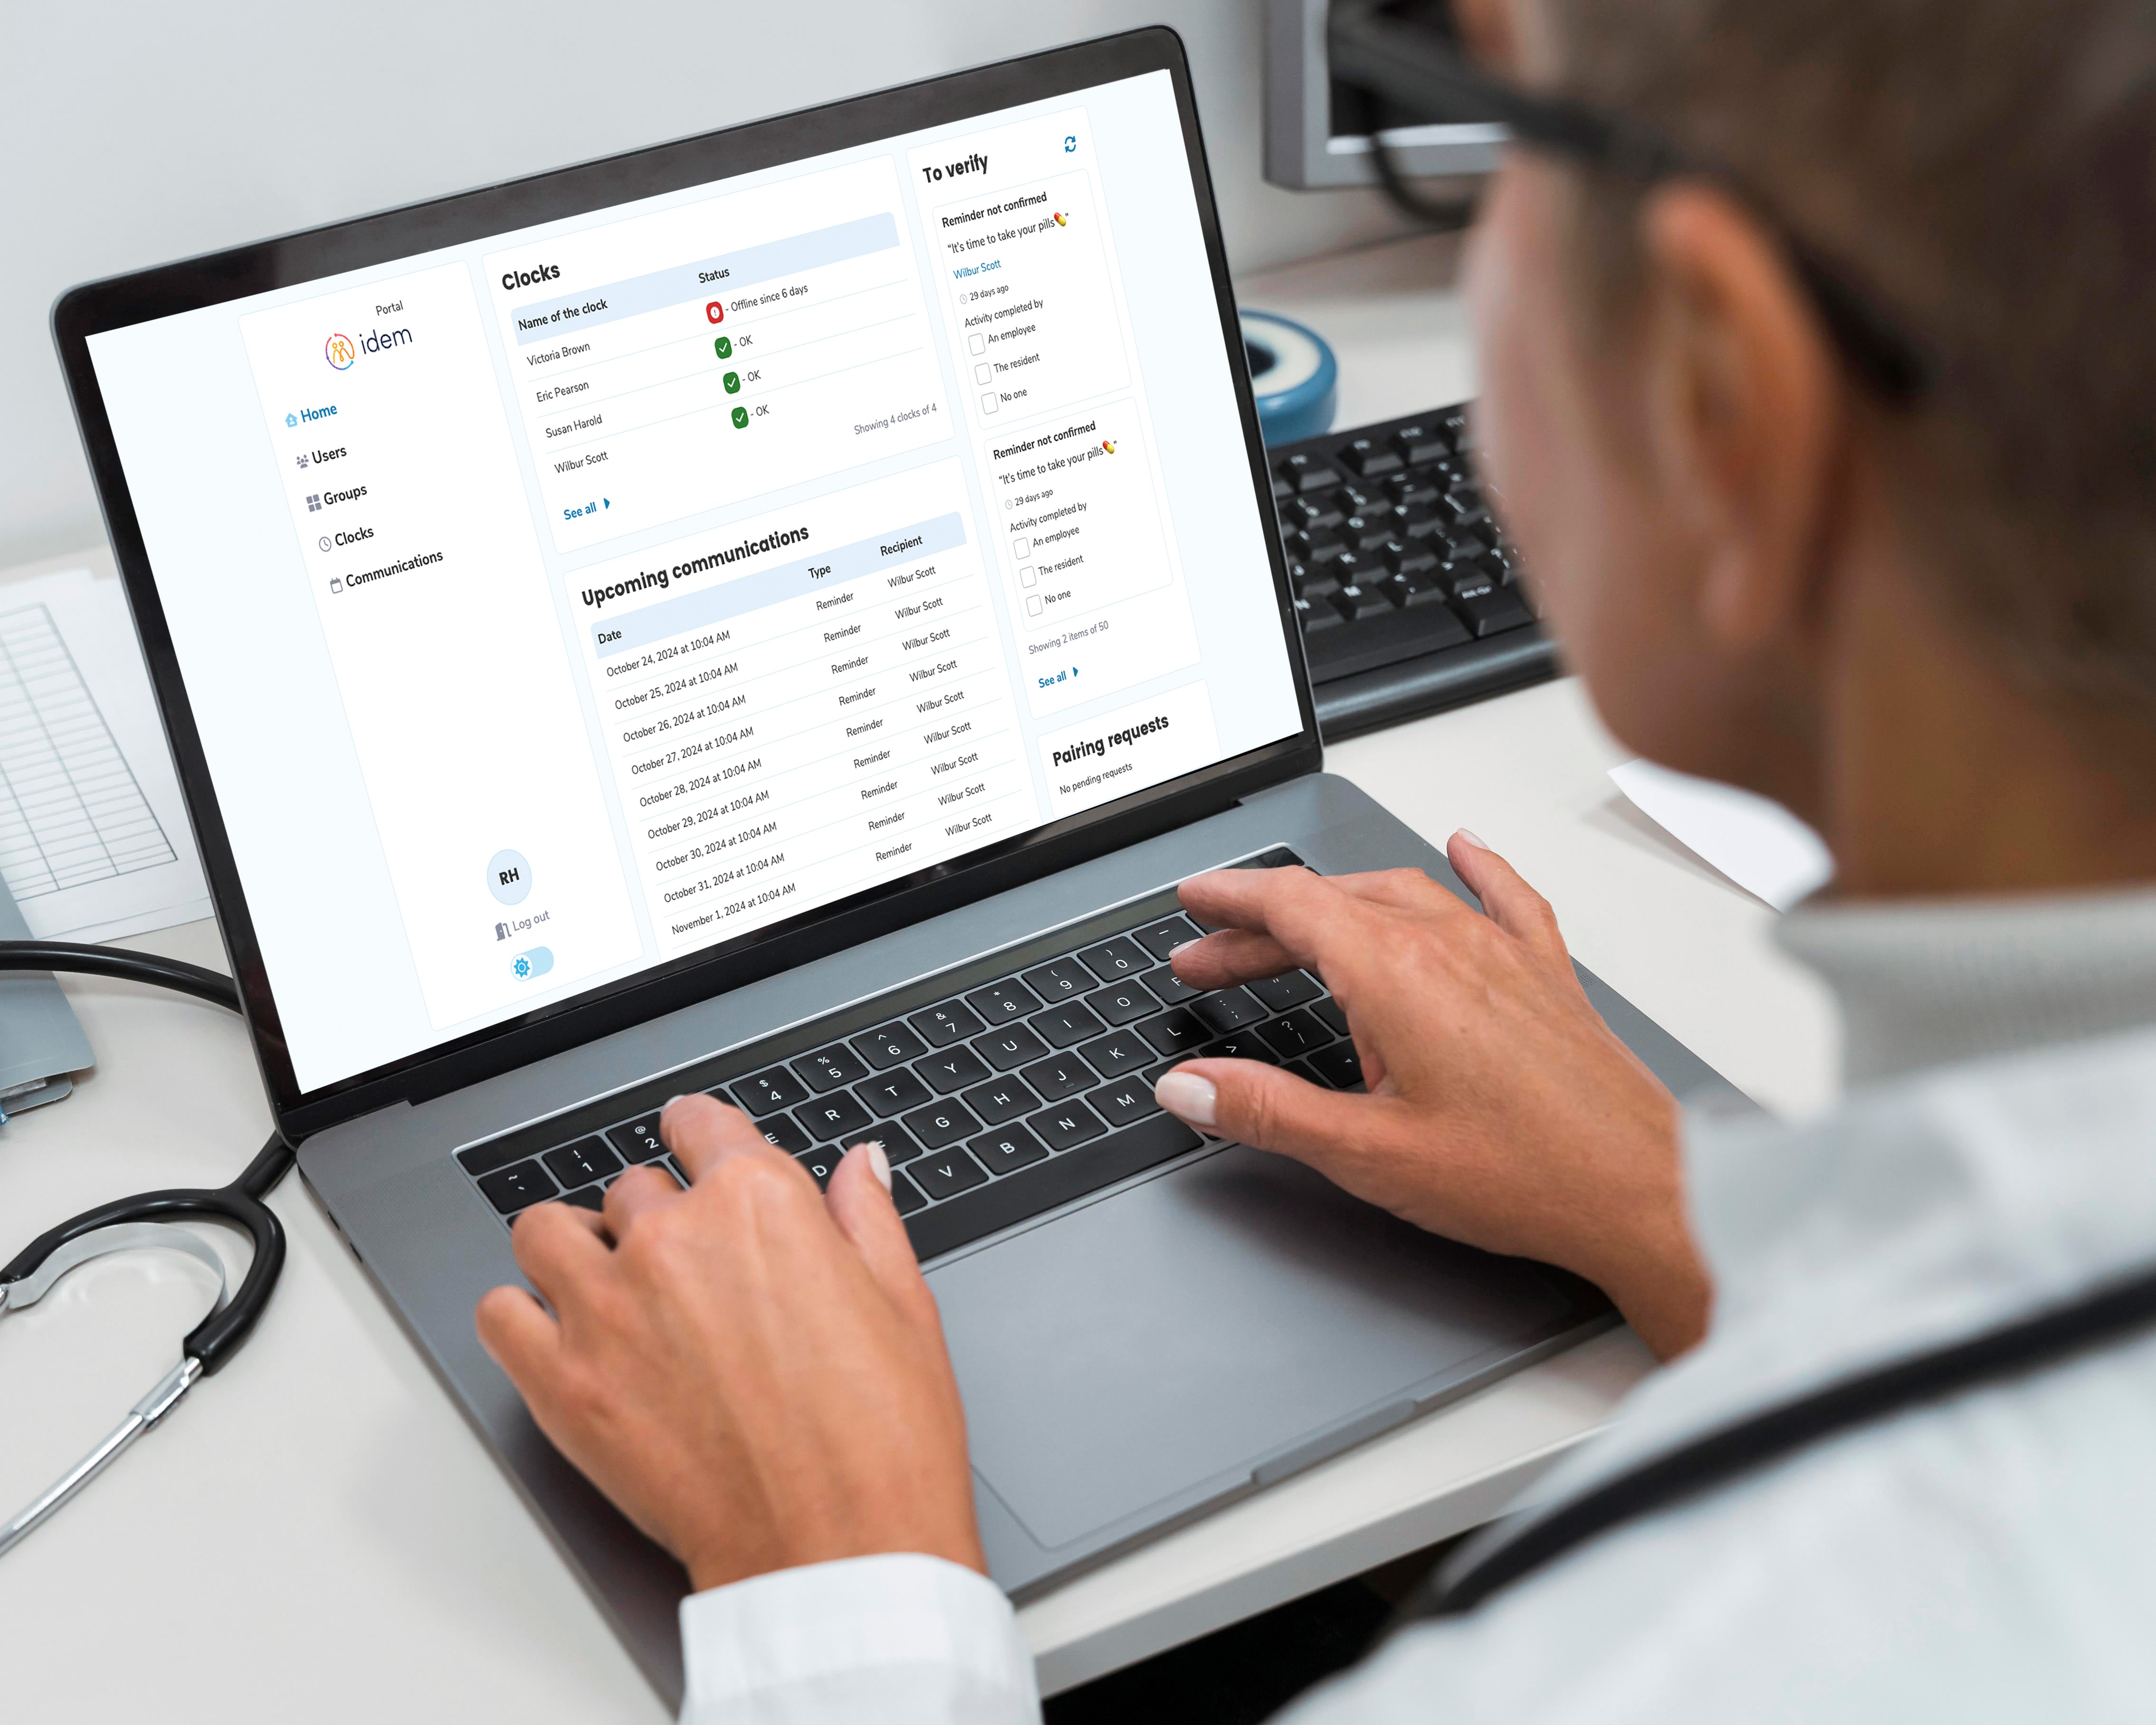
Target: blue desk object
[(40, 1042), (1294, 374)]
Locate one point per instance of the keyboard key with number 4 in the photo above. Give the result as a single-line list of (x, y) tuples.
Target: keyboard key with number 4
[(768, 1092)]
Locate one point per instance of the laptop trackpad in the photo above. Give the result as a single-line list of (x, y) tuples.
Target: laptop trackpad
[(1143, 1354)]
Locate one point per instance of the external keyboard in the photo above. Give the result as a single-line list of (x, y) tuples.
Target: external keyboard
[(999, 1090), (1407, 591)]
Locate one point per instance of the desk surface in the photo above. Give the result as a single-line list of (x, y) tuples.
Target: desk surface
[(317, 1534)]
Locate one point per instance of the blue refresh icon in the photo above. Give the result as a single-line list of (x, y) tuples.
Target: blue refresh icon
[(1070, 146)]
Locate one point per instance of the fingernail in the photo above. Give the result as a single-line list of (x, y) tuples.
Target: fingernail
[(1180, 947), (1463, 834), (670, 1102), (1188, 1096), (879, 1163)]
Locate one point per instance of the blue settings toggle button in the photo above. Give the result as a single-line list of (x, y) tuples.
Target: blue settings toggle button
[(535, 962)]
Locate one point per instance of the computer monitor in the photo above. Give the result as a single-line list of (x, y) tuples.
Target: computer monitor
[(1318, 129)]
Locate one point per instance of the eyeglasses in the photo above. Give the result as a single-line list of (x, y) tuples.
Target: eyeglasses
[(1415, 68)]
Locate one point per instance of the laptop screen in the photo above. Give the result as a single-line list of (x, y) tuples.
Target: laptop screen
[(556, 605)]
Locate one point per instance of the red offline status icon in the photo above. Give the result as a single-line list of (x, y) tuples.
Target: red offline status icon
[(716, 312)]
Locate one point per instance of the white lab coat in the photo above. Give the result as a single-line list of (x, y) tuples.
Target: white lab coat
[(1989, 1557)]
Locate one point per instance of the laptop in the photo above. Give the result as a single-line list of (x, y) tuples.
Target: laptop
[(776, 614)]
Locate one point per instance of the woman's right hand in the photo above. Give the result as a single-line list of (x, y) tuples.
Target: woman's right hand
[(1502, 1111)]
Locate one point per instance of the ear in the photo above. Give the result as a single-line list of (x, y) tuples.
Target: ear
[(1747, 413)]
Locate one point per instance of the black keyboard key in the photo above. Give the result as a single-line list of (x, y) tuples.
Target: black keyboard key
[(1160, 938), (521, 1184), (905, 1196), (946, 1174), (1010, 1048), (1228, 1008), (1372, 459), (1309, 473), (1119, 1003), (1063, 980), (1296, 1034), (586, 1197), (823, 1163), (1113, 960), (1403, 634), (1013, 1148), (898, 1144), (1243, 1045), (840, 1114), (953, 1069), (1066, 1025), (829, 1068), (1033, 1190), (889, 1045), (954, 1021), (637, 1140), (1338, 1065), (1295, 988), (1066, 1126), (1118, 1052), (585, 1161), (940, 1124), (1176, 1031), (1121, 1103), (1332, 1012), (1004, 1003), (1000, 1099), (1489, 610), (787, 1133), (1359, 603), (1059, 1077), (890, 1093), (1171, 988), (768, 1092)]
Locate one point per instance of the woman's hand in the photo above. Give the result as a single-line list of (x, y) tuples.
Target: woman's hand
[(1502, 1111), (754, 1374)]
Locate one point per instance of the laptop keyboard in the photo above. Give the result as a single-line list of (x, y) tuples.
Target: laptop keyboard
[(1000, 1090)]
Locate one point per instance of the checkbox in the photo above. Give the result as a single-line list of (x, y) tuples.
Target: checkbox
[(1033, 604), (1026, 575), (978, 344), (982, 373), (1021, 549), (989, 403)]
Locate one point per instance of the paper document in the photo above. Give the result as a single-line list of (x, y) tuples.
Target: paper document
[(94, 839), (1758, 844)]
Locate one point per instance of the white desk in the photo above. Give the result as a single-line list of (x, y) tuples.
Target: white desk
[(316, 1534)]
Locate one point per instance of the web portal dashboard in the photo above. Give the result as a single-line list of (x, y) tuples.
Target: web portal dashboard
[(554, 605)]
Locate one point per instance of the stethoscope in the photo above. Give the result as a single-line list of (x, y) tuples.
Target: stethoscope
[(147, 1220)]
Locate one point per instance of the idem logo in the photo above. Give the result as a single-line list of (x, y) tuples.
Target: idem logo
[(340, 351), (715, 312)]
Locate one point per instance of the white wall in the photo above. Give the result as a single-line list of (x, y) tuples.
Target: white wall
[(134, 132)]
